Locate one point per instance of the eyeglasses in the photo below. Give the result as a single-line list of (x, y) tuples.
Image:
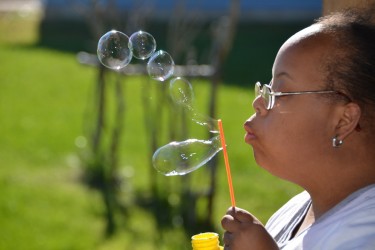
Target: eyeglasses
[(268, 95)]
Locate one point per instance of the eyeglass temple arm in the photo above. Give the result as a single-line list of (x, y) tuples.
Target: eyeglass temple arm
[(302, 92)]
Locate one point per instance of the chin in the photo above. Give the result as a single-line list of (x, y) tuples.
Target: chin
[(258, 160), (262, 162)]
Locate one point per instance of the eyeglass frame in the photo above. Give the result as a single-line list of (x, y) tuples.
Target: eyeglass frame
[(259, 91)]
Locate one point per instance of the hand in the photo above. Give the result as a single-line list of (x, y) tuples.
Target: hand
[(244, 232)]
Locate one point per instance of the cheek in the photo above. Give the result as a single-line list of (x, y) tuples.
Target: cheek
[(287, 143), (273, 143)]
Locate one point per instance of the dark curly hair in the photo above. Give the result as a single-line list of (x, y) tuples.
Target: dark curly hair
[(350, 66)]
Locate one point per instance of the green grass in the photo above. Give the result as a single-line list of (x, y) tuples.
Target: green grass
[(44, 95)]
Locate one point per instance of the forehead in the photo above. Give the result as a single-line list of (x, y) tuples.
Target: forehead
[(301, 57), (304, 35)]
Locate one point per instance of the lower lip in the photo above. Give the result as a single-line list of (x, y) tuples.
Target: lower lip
[(249, 137)]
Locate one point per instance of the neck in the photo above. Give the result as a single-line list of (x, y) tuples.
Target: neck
[(335, 180), (335, 192)]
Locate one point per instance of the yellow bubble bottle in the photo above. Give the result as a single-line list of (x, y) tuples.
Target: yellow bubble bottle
[(206, 241)]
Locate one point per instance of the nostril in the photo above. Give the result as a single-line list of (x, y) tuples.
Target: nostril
[(257, 103), (259, 106)]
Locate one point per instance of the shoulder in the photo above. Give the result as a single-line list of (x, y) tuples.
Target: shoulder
[(282, 223), (350, 225), (293, 206)]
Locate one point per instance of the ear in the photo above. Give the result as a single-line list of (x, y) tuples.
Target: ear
[(348, 120)]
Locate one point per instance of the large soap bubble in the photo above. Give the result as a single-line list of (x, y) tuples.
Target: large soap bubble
[(185, 156), (113, 50), (180, 158)]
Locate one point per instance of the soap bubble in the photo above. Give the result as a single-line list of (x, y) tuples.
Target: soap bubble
[(181, 91), (186, 155), (143, 44), (113, 50), (206, 121), (160, 66), (180, 158)]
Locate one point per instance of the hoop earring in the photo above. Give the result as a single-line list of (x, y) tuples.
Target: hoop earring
[(336, 143)]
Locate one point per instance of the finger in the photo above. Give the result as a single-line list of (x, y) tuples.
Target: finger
[(229, 223), (227, 238), (231, 210), (235, 210)]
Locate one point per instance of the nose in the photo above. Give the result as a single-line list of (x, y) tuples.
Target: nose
[(259, 105)]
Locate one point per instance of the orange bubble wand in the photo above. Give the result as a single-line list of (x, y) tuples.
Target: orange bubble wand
[(227, 167)]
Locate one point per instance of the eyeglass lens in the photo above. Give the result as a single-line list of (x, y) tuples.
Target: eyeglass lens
[(264, 92)]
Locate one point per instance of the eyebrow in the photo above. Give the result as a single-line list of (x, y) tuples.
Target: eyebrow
[(283, 73)]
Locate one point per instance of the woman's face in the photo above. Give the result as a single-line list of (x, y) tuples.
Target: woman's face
[(290, 139)]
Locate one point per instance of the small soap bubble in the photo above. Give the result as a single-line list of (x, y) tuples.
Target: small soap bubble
[(206, 121), (181, 91), (180, 158), (160, 66), (143, 44), (114, 50)]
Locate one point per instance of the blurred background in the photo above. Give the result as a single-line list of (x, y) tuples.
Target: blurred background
[(77, 139)]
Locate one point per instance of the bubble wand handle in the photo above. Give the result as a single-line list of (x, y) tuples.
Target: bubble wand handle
[(227, 167)]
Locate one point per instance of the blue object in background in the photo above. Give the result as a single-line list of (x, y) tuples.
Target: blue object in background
[(250, 9)]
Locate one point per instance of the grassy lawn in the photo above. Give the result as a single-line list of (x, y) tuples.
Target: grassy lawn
[(44, 95)]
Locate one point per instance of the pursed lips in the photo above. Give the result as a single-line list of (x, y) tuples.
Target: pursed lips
[(249, 136)]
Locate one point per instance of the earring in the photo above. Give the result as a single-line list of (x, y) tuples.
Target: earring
[(336, 143)]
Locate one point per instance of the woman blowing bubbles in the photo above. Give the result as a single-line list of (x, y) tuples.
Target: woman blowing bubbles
[(314, 125)]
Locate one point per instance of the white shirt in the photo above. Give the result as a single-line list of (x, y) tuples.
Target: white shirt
[(348, 225)]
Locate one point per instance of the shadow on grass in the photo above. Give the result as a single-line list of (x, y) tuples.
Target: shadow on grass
[(181, 215)]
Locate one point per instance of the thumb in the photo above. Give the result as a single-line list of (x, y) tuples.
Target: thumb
[(244, 216)]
